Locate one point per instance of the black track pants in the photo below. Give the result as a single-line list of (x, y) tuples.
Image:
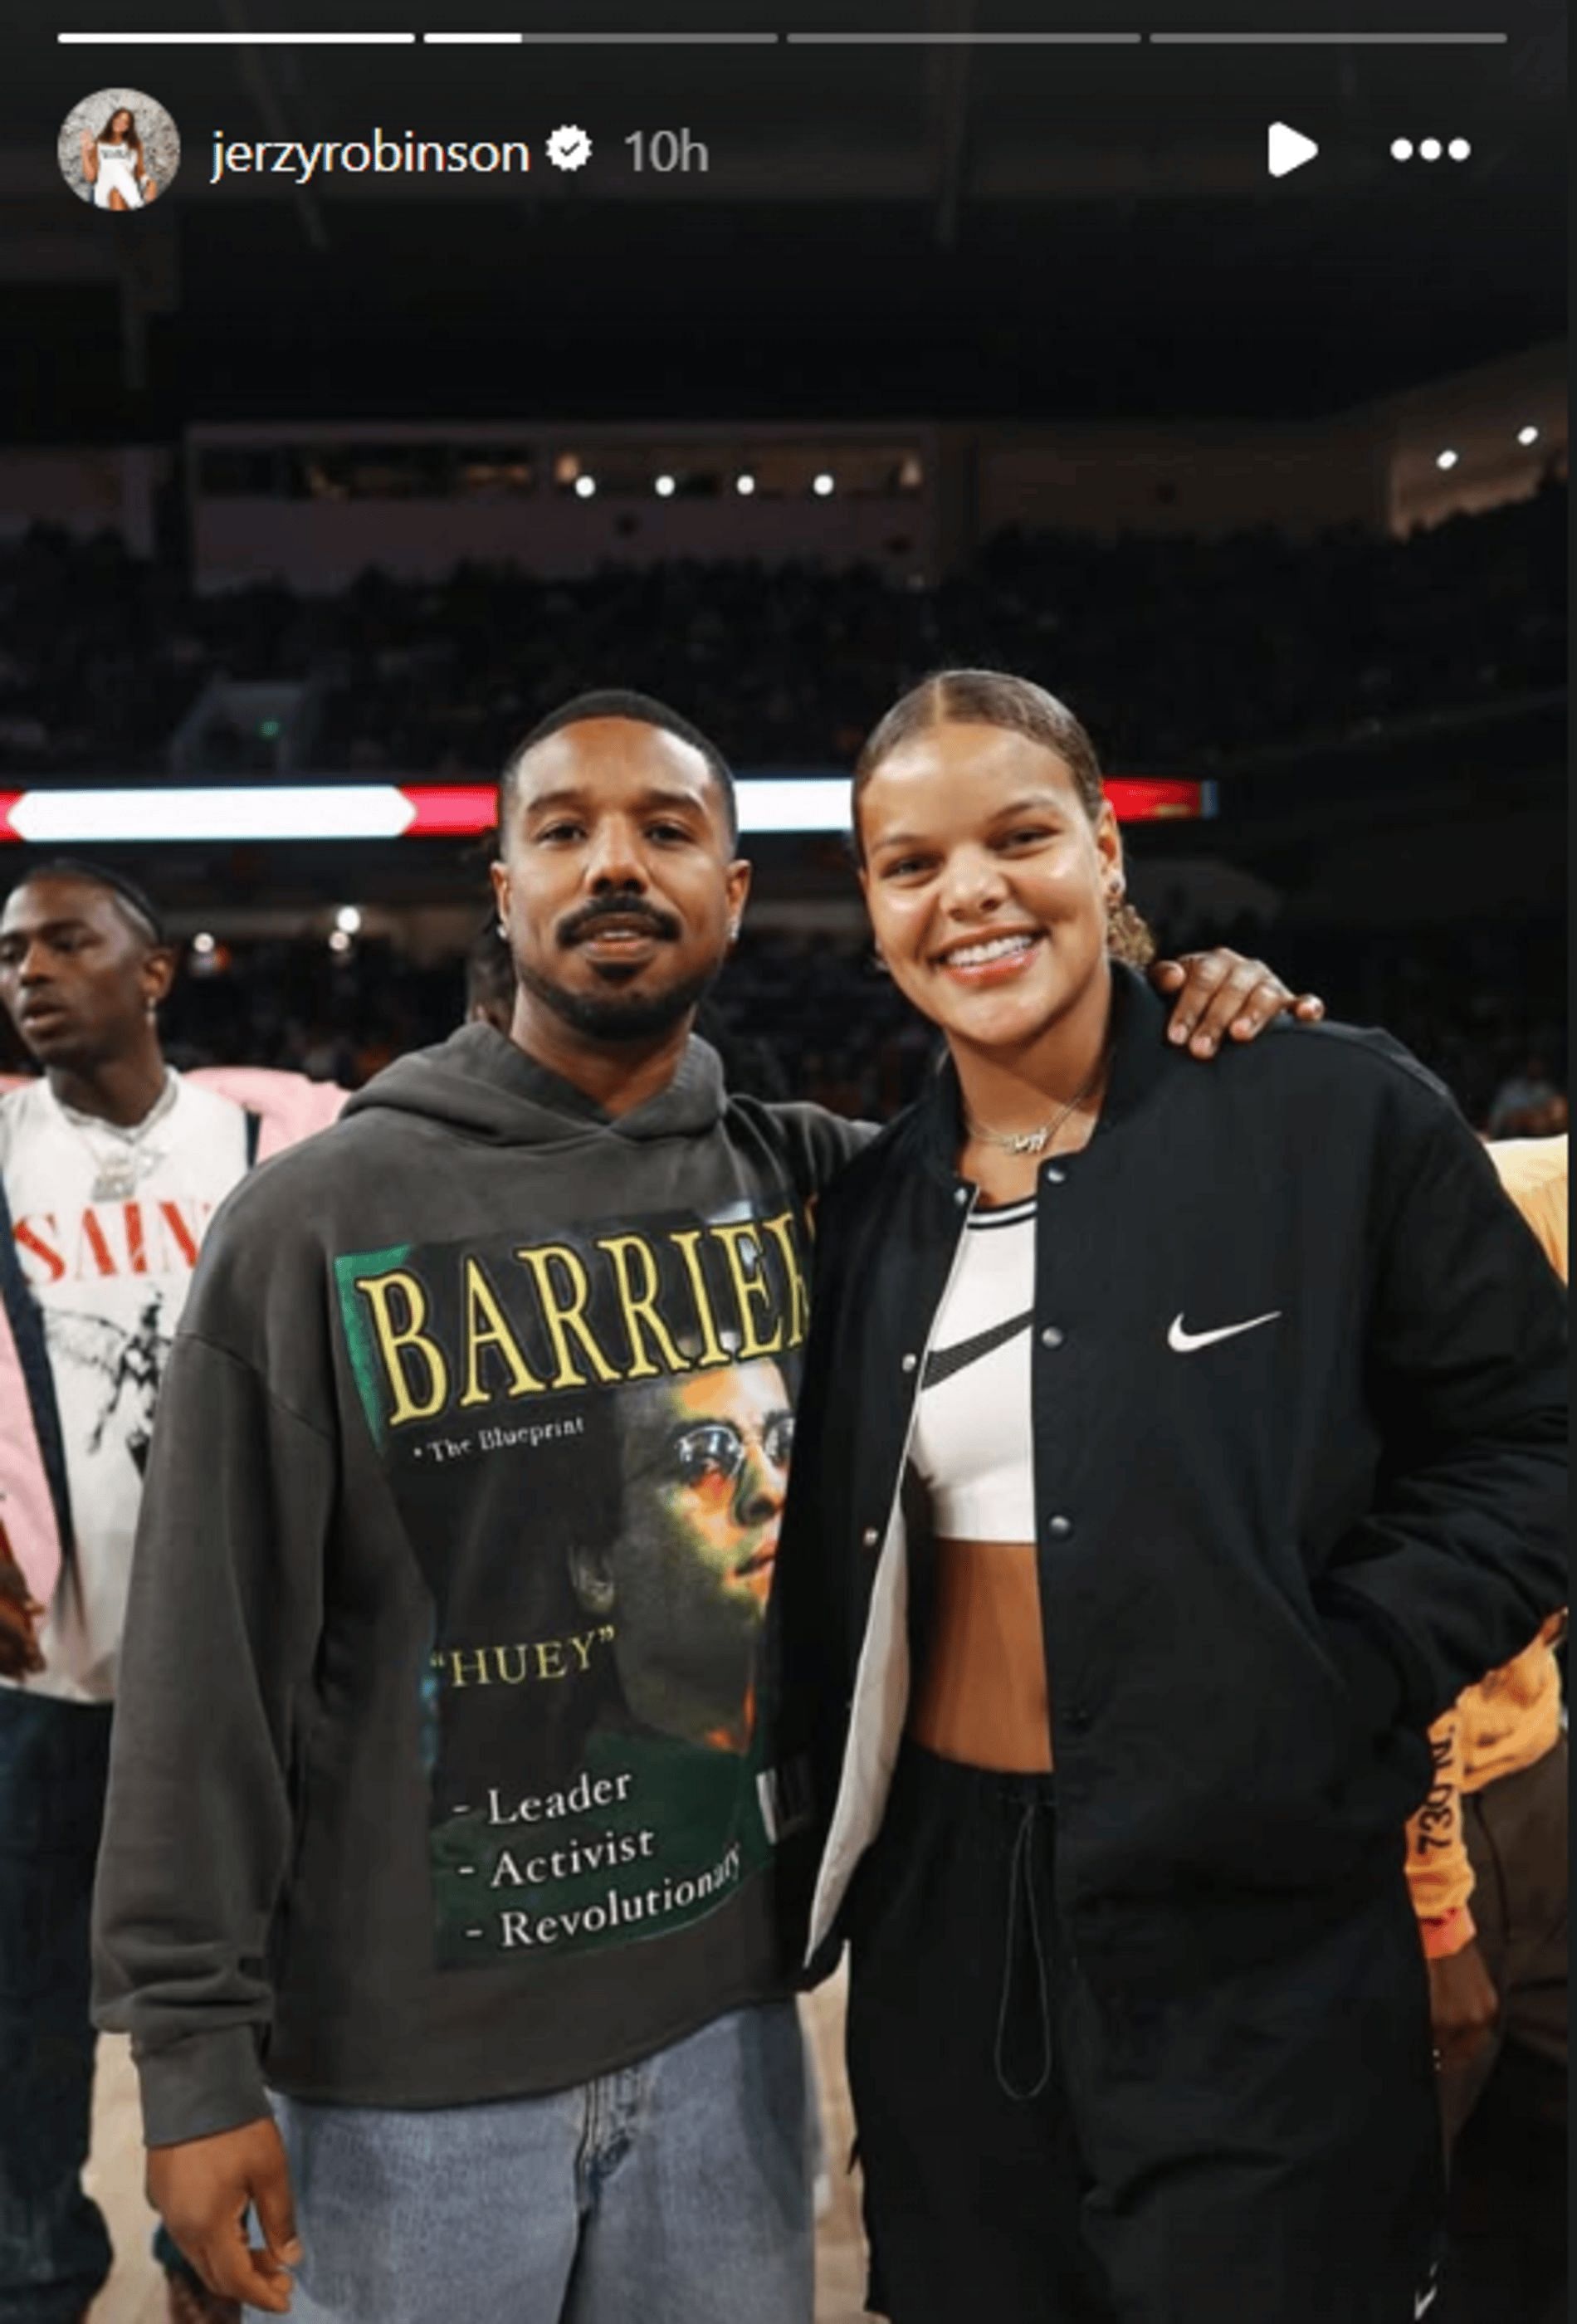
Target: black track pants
[(1264, 2150)]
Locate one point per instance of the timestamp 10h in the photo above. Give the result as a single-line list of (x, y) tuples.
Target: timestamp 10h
[(667, 152)]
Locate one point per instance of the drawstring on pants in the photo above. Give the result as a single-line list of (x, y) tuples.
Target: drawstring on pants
[(1021, 1876)]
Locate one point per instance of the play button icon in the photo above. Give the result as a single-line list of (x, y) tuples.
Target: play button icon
[(1286, 149)]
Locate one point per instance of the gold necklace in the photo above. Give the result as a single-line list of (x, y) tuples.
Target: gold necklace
[(1034, 1141)]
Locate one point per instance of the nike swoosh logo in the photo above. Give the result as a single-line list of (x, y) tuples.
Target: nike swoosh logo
[(946, 1362), (1183, 1343)]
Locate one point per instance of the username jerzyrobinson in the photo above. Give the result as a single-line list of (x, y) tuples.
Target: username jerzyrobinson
[(379, 155)]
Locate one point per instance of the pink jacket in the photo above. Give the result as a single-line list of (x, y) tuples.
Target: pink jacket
[(286, 1107)]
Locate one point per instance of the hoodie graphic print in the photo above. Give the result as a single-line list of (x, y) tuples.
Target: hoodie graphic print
[(468, 1472), (586, 1432)]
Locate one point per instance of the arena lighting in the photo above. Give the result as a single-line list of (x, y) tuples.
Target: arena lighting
[(1526, 436), (584, 487), (263, 811), (744, 486), (349, 919), (1446, 459), (202, 944), (664, 488), (824, 485), (339, 941), (353, 811)]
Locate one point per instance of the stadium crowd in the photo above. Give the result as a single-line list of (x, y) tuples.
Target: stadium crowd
[(1177, 652), (801, 1017)]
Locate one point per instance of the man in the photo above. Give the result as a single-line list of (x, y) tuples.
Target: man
[(1486, 1863), (689, 1571), (373, 1852), (110, 1168)]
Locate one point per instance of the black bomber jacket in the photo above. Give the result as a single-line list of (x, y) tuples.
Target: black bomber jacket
[(1299, 1431)]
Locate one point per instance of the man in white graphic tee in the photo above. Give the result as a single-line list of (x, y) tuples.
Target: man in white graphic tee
[(111, 1166)]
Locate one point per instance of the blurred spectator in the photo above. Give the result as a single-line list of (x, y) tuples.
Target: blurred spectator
[(800, 1015), (1525, 1102)]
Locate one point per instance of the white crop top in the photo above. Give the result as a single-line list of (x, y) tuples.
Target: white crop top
[(972, 1446)]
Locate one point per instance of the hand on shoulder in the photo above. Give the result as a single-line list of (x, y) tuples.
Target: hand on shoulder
[(1222, 995)]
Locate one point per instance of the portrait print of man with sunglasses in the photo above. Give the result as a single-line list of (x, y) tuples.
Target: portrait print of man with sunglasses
[(706, 1469)]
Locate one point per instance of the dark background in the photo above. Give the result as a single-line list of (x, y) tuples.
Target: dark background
[(981, 234)]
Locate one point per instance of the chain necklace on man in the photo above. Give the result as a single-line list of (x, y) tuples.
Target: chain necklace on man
[(120, 1166), (1034, 1141)]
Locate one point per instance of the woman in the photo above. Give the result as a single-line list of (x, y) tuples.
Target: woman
[(114, 165), (1173, 1447)]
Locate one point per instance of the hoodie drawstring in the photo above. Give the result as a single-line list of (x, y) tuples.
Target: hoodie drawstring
[(1021, 1883)]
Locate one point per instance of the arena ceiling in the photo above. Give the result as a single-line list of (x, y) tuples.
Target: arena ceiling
[(950, 229)]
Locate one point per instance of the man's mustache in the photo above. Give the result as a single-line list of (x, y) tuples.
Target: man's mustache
[(630, 913)]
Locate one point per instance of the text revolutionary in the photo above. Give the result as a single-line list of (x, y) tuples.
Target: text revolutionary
[(620, 1909)]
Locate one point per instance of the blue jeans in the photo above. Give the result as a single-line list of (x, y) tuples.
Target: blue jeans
[(676, 2191), (54, 2246)]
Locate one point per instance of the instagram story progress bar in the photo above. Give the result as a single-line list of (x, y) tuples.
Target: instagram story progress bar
[(325, 40), (680, 38)]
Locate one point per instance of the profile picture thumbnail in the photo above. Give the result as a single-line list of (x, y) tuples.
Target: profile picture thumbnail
[(119, 149)]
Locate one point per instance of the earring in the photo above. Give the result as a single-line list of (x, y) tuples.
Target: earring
[(733, 932)]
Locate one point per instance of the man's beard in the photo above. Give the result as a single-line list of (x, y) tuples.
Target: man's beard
[(612, 1017)]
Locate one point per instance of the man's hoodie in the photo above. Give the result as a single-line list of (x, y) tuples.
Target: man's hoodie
[(436, 1777)]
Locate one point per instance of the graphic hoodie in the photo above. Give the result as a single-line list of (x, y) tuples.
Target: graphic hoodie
[(437, 1775)]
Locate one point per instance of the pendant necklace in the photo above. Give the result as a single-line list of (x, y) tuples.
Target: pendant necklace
[(1034, 1141), (120, 1168)]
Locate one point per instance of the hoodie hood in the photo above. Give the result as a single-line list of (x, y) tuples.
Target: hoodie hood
[(478, 1082)]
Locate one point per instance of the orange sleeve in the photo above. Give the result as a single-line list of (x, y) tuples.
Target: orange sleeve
[(1534, 1173), (1439, 1876)]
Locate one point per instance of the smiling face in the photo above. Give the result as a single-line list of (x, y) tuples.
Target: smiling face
[(77, 978), (988, 883), (617, 883)]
